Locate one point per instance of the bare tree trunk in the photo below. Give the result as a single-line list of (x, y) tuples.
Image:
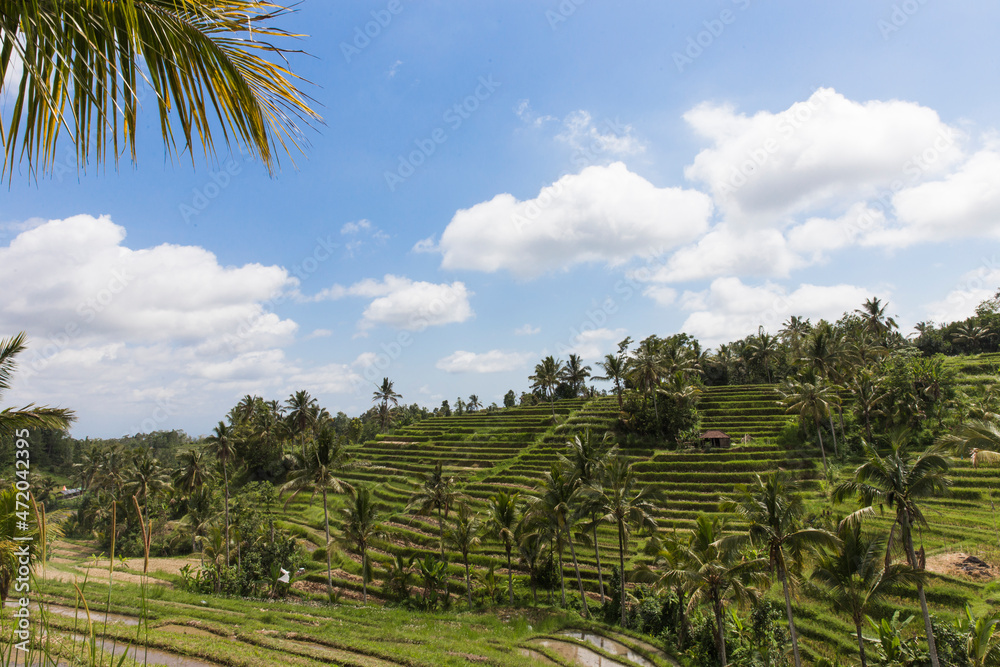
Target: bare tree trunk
[(861, 643), (225, 477), (720, 636), (468, 581), (791, 621), (510, 579), (597, 552), (329, 567), (579, 579), (912, 558), (826, 469), (833, 431)]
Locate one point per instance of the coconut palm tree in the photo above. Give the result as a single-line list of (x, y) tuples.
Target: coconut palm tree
[(303, 413), (576, 373), (465, 536), (855, 578), (437, 493), (901, 481), (773, 510), (763, 347), (503, 516), (872, 313), (623, 503), (547, 376), (615, 369), (30, 416), (714, 572), (585, 458), (147, 478), (362, 525), (320, 471), (84, 65), (193, 471), (384, 395), (222, 445), (474, 403), (811, 401), (560, 500), (646, 368)]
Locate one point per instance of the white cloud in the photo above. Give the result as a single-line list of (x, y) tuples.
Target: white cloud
[(402, 303), (582, 135), (825, 151), (355, 227), (494, 361), (725, 251), (601, 215), (860, 224), (730, 309), (527, 330), (319, 333), (593, 344), (138, 339), (664, 296), (974, 287)]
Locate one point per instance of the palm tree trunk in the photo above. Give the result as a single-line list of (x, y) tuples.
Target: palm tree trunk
[(833, 431), (597, 552), (861, 642), (562, 579), (329, 568), (912, 558), (826, 469), (618, 391), (720, 637), (621, 564), (579, 579), (441, 533), (468, 580), (225, 477), (510, 579), (868, 425), (791, 621), (364, 578)]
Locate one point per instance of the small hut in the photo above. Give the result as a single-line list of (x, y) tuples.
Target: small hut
[(715, 439)]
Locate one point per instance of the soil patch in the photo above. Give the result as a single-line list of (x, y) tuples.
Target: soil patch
[(961, 564)]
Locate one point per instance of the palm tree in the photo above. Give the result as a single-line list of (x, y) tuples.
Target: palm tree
[(30, 416), (465, 536), (385, 395), (502, 523), (773, 512), (223, 446), (362, 525), (576, 374), (193, 472), (900, 481), (436, 493), (645, 371), (763, 347), (855, 578), (201, 513), (866, 389), (547, 375), (560, 502), (585, 459), (615, 368), (319, 470), (473, 403), (970, 335), (714, 573), (147, 478), (810, 401), (624, 504), (303, 411), (977, 438), (83, 65), (671, 554), (983, 643)]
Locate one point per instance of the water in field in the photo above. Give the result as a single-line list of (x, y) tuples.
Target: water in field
[(577, 654), (609, 646), (147, 656)]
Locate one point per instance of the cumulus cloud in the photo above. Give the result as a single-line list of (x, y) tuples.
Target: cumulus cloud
[(582, 135), (156, 332), (494, 361), (974, 287), (402, 303), (725, 251), (603, 215), (593, 344), (730, 309), (827, 150)]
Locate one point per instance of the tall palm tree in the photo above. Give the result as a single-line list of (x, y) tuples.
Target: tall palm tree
[(855, 577), (715, 572), (901, 481), (437, 493), (320, 470), (868, 394), (362, 525), (84, 64), (547, 376), (646, 368), (560, 501), (222, 445), (503, 517), (193, 471), (465, 536), (874, 317), (615, 369), (763, 347), (626, 505), (773, 510), (30, 416), (811, 401), (147, 478), (576, 373), (303, 412), (585, 459), (474, 403), (384, 395)]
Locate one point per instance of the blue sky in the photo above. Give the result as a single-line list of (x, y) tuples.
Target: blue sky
[(498, 181)]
